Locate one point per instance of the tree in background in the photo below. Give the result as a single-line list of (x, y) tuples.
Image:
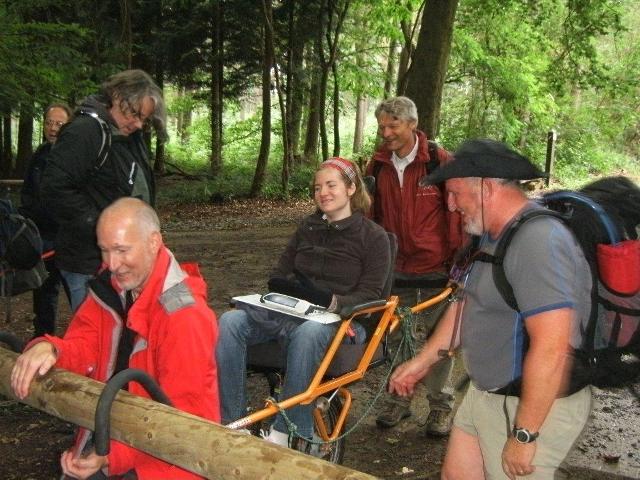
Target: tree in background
[(515, 69), (52, 70), (428, 70), (267, 59)]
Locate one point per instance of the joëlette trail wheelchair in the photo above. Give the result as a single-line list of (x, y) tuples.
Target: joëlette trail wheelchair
[(343, 364)]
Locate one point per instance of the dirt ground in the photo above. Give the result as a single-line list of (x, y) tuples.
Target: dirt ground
[(236, 244)]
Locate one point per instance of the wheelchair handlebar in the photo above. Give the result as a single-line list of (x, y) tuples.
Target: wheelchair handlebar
[(348, 310)]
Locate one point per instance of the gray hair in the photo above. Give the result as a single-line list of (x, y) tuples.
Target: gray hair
[(401, 108), (130, 87)]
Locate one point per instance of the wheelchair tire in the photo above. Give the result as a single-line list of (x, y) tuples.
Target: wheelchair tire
[(331, 452)]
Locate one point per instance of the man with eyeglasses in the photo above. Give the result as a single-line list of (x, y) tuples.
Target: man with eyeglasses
[(519, 417), (99, 157), (45, 298)]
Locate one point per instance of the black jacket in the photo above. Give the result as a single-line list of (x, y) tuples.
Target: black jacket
[(30, 203), (75, 191), (350, 258)]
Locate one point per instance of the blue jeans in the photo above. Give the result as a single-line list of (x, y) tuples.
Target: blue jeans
[(76, 287), (305, 345)]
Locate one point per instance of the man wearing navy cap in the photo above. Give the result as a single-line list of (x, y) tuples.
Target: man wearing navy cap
[(518, 417)]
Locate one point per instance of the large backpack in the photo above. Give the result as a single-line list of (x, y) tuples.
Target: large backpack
[(20, 242), (605, 228), (21, 266)]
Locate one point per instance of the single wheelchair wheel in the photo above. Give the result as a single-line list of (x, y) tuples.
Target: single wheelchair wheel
[(331, 452)]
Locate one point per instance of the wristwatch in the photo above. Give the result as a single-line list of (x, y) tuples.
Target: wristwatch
[(522, 435)]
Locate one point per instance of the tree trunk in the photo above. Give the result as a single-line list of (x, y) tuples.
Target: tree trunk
[(187, 117), (126, 35), (322, 110), (335, 14), (7, 153), (193, 443), (25, 141), (265, 141), (184, 119), (336, 111), (179, 123), (361, 114), (4, 172), (405, 57), (313, 120), (429, 63), (158, 165), (217, 67), (389, 76), (296, 98), (287, 157)]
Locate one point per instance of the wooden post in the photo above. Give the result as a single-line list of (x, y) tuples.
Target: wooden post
[(551, 155), (191, 442)]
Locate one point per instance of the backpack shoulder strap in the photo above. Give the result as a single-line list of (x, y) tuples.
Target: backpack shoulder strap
[(434, 159), (376, 169), (497, 259), (430, 167), (103, 153)]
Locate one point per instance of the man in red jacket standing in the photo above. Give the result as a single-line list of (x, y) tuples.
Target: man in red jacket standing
[(428, 236), (143, 311)]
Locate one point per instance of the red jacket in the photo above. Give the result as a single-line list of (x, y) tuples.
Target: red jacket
[(176, 334), (428, 234)]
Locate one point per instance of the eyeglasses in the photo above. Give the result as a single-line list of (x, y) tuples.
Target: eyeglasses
[(52, 123), (129, 110)]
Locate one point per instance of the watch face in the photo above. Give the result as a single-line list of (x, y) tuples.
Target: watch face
[(522, 436)]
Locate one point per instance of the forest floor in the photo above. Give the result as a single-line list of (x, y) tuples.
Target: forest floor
[(236, 244)]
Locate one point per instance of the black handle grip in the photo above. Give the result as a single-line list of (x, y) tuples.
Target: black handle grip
[(111, 389), (349, 310)]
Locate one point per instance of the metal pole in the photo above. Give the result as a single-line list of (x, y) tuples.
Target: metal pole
[(551, 155)]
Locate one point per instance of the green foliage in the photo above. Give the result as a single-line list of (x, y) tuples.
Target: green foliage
[(193, 156), (516, 70), (242, 142), (53, 68)]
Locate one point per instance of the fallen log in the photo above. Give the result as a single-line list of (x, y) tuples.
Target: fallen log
[(191, 442)]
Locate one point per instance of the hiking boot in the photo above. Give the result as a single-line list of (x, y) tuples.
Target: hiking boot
[(393, 414), (439, 423)]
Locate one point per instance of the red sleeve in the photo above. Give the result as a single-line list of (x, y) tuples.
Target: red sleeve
[(79, 349), (185, 367)]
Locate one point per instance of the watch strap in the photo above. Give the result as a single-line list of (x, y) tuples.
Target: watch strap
[(522, 435)]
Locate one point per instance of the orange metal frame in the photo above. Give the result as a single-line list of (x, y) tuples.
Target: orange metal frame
[(388, 322)]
